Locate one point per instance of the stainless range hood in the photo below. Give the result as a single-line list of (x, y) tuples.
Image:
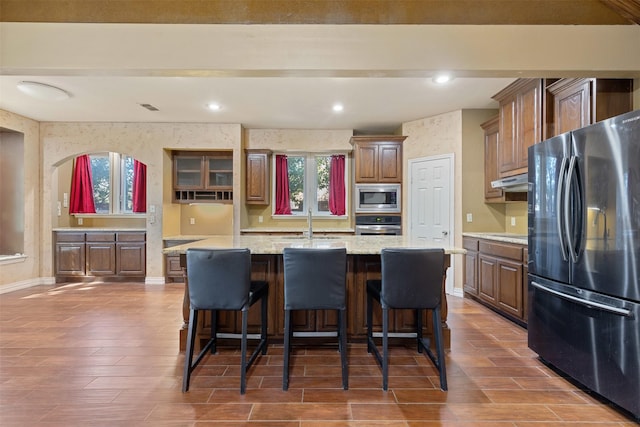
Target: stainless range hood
[(514, 184)]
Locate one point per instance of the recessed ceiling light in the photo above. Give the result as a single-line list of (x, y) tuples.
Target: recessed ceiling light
[(441, 78), (213, 106), (42, 91), (338, 108)]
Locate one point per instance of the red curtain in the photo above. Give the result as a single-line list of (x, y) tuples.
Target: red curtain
[(336, 185), (283, 207), (81, 200), (139, 186)]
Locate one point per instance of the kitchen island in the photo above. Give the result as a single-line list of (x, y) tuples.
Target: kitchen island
[(363, 263)]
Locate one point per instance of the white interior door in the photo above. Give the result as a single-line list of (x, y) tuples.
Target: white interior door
[(431, 203)]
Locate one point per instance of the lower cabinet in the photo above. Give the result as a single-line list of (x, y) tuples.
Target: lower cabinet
[(112, 255), (495, 274)]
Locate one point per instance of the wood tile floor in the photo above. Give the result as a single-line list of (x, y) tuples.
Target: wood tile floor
[(106, 355)]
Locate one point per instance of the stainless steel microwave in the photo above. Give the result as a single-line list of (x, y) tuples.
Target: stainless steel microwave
[(378, 198)]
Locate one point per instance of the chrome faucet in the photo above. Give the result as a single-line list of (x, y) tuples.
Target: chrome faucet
[(310, 224)]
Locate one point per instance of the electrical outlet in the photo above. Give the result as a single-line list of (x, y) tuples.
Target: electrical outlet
[(469, 217), (192, 221), (59, 208), (260, 219), (80, 221), (513, 221)]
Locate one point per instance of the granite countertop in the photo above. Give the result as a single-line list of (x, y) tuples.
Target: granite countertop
[(500, 237), (297, 230), (264, 244)]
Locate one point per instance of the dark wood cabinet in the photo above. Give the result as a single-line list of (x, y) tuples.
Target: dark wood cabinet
[(257, 177), (203, 177), (97, 254), (172, 269), (470, 284), (499, 280), (131, 254), (491, 169), (520, 124), (581, 102), (70, 255), (101, 254), (378, 158)]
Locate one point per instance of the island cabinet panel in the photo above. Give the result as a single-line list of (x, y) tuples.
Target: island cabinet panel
[(263, 267), (360, 268)]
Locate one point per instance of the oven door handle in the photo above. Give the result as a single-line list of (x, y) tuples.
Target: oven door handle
[(378, 227)]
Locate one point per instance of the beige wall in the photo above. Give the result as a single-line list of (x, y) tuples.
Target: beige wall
[(26, 272), (292, 140), (437, 135), (485, 217)]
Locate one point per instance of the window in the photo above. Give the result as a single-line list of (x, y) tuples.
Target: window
[(309, 176), (112, 175)]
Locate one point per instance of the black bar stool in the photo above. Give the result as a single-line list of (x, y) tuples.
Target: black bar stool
[(411, 279), (315, 279), (220, 279)]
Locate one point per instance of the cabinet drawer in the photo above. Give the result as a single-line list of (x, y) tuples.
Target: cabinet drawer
[(470, 244), (501, 250), (132, 236), (525, 256), (69, 237), (101, 237)]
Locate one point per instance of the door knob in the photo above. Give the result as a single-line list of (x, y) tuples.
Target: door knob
[(445, 233)]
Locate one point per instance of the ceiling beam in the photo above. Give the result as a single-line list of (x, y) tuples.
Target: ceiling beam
[(423, 12)]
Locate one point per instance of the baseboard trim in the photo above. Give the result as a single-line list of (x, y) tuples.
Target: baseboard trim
[(24, 284), (154, 280)]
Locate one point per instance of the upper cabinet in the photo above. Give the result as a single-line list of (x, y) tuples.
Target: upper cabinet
[(520, 117), (490, 128), (581, 102), (491, 158), (257, 192), (378, 158), (203, 176)]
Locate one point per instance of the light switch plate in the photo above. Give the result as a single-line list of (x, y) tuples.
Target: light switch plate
[(513, 221)]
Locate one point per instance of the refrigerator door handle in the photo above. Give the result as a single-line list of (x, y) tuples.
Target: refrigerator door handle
[(567, 210), (582, 301), (559, 210)]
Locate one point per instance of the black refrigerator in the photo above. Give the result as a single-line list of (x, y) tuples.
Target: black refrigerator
[(584, 256)]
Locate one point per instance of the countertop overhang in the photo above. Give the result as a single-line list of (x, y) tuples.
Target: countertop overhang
[(355, 245)]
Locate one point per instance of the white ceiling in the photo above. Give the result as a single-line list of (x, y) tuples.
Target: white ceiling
[(289, 76)]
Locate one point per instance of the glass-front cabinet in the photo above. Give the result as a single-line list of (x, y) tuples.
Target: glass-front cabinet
[(203, 177)]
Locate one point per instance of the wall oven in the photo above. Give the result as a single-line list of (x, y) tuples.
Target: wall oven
[(378, 225), (377, 198)]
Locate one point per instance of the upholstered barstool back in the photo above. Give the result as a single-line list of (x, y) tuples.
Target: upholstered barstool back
[(220, 279), (411, 279), (315, 279)]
